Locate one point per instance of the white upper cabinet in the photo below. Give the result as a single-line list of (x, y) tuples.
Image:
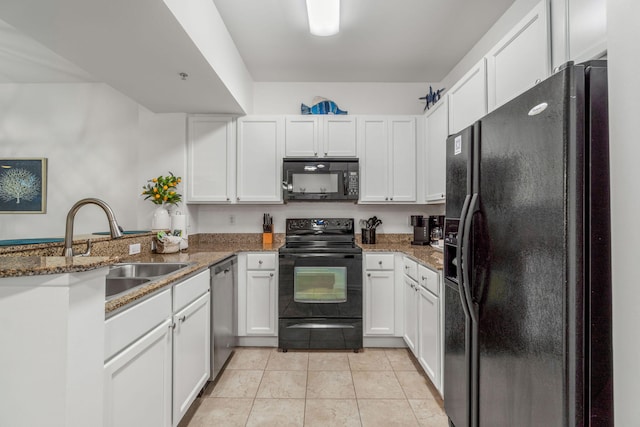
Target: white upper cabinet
[(468, 98), (339, 136), (387, 148), (437, 130), (210, 159), (259, 151), (520, 59), (326, 136)]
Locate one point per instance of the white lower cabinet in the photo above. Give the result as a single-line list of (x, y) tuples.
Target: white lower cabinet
[(257, 294), (429, 332), (411, 314), (430, 324), (379, 295), (137, 382), (138, 368), (157, 356), (191, 354)]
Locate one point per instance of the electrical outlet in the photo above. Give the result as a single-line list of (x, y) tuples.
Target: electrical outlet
[(134, 249), (232, 219)]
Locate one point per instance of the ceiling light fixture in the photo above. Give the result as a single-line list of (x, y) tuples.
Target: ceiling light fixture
[(324, 17)]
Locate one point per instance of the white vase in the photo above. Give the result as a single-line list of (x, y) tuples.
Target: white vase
[(161, 220)]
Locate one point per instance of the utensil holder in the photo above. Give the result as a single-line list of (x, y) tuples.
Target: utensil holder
[(368, 236)]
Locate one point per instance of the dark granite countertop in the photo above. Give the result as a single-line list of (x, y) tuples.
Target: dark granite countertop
[(202, 253)]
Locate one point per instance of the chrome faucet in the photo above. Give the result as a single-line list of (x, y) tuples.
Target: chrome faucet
[(116, 231)]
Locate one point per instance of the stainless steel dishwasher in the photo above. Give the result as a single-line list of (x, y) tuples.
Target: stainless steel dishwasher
[(224, 285)]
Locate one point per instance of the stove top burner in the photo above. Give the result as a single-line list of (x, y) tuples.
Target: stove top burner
[(320, 235)]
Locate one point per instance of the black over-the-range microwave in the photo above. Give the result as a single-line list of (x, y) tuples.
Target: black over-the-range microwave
[(320, 179)]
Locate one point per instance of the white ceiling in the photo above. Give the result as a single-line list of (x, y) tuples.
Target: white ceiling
[(139, 48), (379, 40)]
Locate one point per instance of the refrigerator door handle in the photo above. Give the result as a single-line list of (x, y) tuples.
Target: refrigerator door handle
[(466, 256), (460, 249)]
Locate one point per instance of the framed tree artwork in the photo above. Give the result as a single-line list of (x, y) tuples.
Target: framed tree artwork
[(23, 185)]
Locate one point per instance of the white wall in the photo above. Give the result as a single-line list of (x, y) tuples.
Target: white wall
[(356, 98), (88, 133), (248, 218), (624, 110)]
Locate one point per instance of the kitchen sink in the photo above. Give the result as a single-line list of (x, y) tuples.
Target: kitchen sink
[(139, 269), (126, 276), (118, 285)]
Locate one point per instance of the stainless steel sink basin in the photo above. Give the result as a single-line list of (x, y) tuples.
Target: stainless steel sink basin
[(118, 285), (139, 269)]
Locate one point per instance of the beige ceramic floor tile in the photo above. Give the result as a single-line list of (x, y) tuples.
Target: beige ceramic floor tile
[(414, 385), (400, 359), (283, 384), (386, 413), (226, 412), (249, 358), (331, 413), (329, 362), (237, 383), (289, 361), (377, 385), (429, 413), (330, 385), (277, 413), (369, 360)]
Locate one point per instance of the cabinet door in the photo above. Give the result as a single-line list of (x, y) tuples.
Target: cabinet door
[(429, 332), (410, 314), (339, 136), (301, 136), (520, 59), (379, 312), (468, 98), (374, 159), (137, 382), (191, 354), (261, 310), (402, 139), (210, 159), (436, 132), (260, 141)]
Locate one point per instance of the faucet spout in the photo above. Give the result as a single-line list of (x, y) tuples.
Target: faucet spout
[(115, 229)]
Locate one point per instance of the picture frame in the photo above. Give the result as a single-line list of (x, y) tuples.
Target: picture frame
[(23, 185)]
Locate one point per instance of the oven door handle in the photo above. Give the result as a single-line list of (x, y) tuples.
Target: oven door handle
[(320, 326), (320, 255)]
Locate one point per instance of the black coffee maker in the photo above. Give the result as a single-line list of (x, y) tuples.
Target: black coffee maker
[(420, 230), (427, 231)]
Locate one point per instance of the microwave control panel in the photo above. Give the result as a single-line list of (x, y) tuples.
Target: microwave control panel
[(352, 186)]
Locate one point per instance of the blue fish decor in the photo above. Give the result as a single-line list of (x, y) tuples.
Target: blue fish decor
[(321, 106), (431, 97)]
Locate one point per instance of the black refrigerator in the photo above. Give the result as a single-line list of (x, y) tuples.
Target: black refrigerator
[(527, 260)]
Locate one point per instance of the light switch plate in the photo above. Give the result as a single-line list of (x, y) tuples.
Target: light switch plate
[(134, 249)]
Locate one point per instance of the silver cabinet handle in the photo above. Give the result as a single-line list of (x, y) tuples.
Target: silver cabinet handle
[(172, 325), (368, 274), (315, 153), (260, 262), (270, 274), (386, 198), (391, 198), (227, 199), (379, 262), (183, 318), (238, 198)]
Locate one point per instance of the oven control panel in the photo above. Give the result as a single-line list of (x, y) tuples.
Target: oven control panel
[(320, 224)]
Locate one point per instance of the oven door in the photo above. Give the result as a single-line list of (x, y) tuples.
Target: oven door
[(320, 285)]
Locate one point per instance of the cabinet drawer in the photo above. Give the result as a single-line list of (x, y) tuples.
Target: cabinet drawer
[(261, 261), (126, 327), (190, 289), (410, 268), (379, 261), (429, 279)]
